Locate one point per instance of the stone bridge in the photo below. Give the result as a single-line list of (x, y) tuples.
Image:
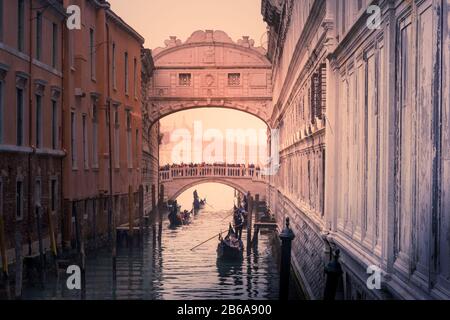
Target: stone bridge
[(177, 179), (210, 70)]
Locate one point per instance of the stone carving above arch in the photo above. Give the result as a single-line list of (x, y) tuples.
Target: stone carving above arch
[(209, 69), (205, 46)]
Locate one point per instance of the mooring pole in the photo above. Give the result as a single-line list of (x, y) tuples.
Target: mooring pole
[(333, 271), (3, 247), (141, 214), (38, 211), (161, 196), (130, 215), (19, 264), (249, 221), (286, 236), (153, 199)]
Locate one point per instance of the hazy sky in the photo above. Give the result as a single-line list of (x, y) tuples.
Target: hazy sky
[(156, 20)]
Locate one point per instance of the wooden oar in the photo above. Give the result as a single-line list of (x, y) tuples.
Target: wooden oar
[(213, 237)]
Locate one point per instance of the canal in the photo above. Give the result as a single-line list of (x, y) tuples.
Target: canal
[(165, 267)]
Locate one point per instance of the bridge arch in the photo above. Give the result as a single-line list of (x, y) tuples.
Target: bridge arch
[(192, 184), (210, 70), (179, 179)]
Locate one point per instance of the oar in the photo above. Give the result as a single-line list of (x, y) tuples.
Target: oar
[(227, 216), (210, 205), (213, 237)]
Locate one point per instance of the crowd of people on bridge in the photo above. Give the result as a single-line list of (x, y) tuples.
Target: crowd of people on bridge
[(205, 169)]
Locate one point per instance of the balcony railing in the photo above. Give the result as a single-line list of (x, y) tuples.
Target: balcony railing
[(167, 173)]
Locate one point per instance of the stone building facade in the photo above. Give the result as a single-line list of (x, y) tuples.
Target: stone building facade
[(150, 139), (31, 149), (103, 117), (70, 125), (368, 171)]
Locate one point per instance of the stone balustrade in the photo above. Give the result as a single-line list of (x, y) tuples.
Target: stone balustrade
[(206, 171)]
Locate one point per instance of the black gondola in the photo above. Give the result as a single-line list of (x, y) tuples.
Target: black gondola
[(178, 218), (230, 247), (199, 204)]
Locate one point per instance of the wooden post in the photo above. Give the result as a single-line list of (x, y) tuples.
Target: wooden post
[(19, 264), (141, 213), (38, 211), (153, 198), (130, 213), (256, 207), (52, 233), (161, 195), (94, 223), (82, 254), (3, 247), (249, 222)]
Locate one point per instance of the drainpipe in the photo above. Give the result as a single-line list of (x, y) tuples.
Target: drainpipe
[(30, 126), (61, 131), (111, 216)]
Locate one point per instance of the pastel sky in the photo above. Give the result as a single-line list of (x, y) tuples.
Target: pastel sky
[(156, 20)]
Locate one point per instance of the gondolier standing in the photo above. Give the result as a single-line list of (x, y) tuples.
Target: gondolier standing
[(238, 223)]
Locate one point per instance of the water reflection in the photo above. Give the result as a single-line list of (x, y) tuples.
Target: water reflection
[(165, 267)]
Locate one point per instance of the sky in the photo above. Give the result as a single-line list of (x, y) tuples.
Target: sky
[(157, 20)]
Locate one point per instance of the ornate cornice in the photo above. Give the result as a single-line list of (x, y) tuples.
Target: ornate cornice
[(208, 38)]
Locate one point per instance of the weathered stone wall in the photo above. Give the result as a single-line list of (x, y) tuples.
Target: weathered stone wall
[(14, 167), (386, 96)]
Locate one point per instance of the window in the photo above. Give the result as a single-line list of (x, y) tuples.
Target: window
[(1, 111), (92, 52), (129, 141), (53, 195), (19, 200), (114, 75), (38, 121), (1, 20), (184, 79), (234, 79), (20, 24), (54, 125), (73, 139), (71, 39), (135, 79), (126, 73), (360, 3), (54, 44), (19, 124), (94, 135), (1, 196), (116, 138), (318, 93), (38, 35), (343, 14), (85, 144)]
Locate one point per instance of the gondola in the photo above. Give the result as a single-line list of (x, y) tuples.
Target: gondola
[(230, 247), (178, 219), (199, 204), (175, 216), (196, 204), (186, 217)]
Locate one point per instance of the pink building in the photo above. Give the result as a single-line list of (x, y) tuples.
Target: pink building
[(31, 82), (103, 121)]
